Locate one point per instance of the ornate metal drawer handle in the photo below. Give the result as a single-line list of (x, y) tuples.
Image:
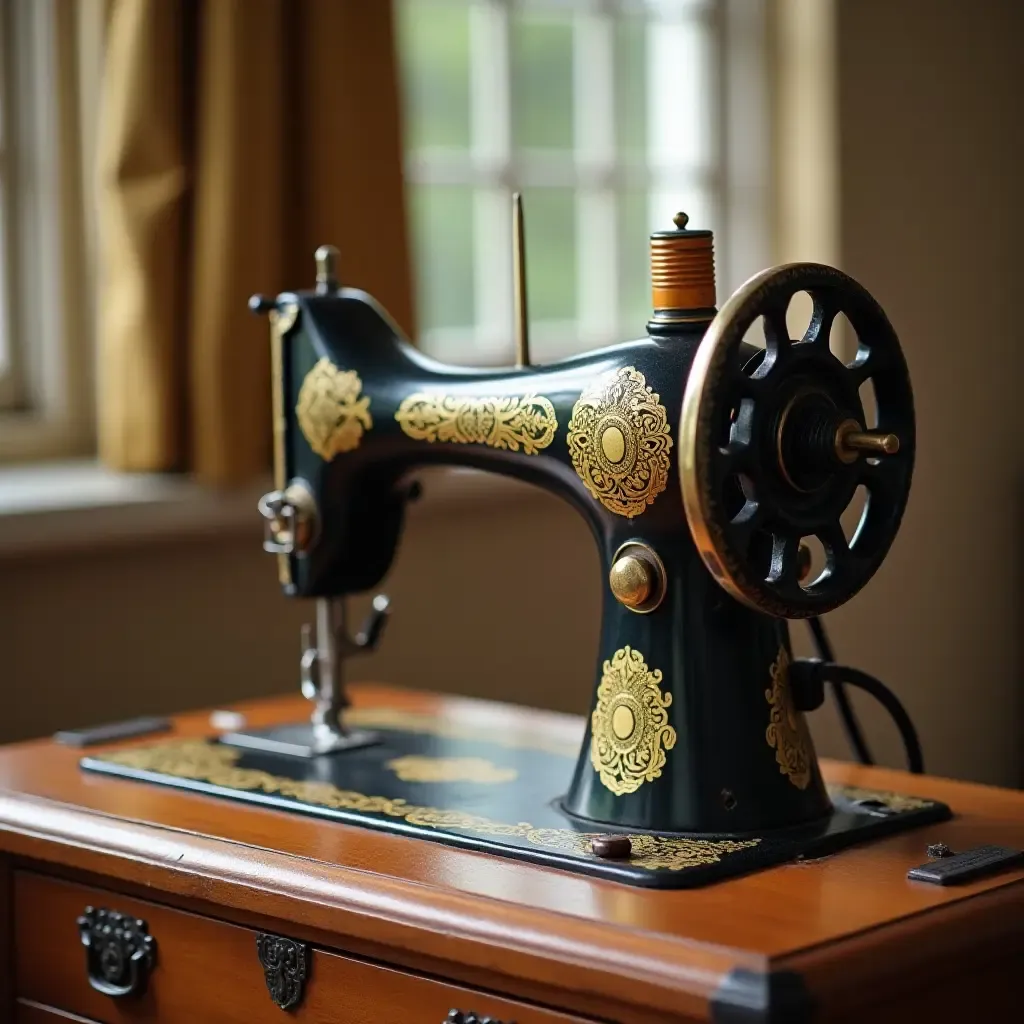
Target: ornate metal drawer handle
[(119, 952), (285, 964), (469, 1017)]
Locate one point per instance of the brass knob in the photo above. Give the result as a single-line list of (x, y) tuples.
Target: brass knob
[(851, 440), (631, 580), (637, 577)]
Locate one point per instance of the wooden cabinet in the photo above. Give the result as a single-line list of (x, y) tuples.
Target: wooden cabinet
[(403, 930), (208, 971)]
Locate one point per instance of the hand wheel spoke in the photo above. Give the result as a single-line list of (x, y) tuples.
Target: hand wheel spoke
[(869, 361), (884, 479), (823, 315), (744, 525), (776, 333), (838, 556), (785, 567)]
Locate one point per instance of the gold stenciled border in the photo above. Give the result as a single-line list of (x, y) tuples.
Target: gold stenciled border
[(282, 320), (420, 768), (510, 422), (898, 802), (203, 761), (787, 731), (432, 725)]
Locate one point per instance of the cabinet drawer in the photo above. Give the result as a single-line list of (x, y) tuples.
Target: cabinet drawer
[(209, 971)]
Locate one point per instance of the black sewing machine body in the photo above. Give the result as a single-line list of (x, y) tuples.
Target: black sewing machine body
[(700, 463), (719, 661)]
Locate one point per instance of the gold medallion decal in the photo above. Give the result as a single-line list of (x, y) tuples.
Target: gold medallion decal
[(619, 441), (511, 422), (331, 411), (629, 727), (416, 768), (787, 732)]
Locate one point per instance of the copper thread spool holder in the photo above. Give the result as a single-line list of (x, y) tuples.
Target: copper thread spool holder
[(682, 274)]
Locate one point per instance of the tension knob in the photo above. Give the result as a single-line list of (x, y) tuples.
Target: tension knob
[(637, 577), (631, 580)]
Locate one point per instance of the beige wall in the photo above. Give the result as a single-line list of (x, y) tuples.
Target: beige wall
[(500, 598)]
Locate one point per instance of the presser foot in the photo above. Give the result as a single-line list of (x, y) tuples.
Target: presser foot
[(305, 739)]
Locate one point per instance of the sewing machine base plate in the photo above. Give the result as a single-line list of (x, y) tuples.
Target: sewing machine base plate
[(486, 793)]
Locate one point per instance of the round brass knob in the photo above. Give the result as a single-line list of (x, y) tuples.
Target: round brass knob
[(637, 577), (631, 580)]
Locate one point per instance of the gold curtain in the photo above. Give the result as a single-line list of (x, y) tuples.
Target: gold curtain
[(235, 137)]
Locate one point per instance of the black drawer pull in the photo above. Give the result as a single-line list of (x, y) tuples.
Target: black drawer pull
[(119, 951), (469, 1017), (285, 964)]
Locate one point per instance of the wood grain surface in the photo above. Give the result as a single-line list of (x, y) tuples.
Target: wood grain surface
[(596, 948), (207, 970)]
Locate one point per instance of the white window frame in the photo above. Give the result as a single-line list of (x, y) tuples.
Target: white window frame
[(737, 182), (50, 75)]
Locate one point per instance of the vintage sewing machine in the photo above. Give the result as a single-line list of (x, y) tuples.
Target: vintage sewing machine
[(495, 868), (700, 462)]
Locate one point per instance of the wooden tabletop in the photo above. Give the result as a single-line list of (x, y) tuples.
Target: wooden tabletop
[(539, 933)]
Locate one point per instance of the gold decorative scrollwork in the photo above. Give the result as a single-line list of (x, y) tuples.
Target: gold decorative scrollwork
[(629, 726), (417, 768), (619, 442), (510, 422), (653, 852), (331, 411), (216, 764), (787, 730), (431, 725), (898, 802)]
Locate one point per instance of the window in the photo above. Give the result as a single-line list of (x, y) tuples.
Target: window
[(609, 116), (45, 296)]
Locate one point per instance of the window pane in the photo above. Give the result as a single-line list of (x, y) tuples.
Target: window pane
[(434, 51), (442, 224), (630, 87), (634, 262), (679, 88), (550, 221), (542, 75)]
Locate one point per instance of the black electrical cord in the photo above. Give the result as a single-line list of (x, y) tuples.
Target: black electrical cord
[(844, 674), (848, 717)]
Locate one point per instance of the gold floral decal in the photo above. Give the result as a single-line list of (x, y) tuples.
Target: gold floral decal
[(203, 761), (432, 725), (416, 768), (332, 414), (619, 442), (629, 726), (787, 730), (897, 802), (511, 422)]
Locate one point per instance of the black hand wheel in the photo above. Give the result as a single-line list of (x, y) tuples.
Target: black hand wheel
[(774, 446)]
